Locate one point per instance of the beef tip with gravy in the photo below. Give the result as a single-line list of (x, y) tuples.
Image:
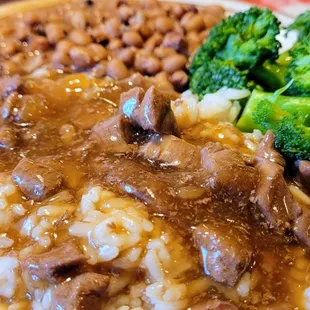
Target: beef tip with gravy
[(114, 135), (153, 113), (83, 292), (273, 196), (226, 252), (171, 151), (304, 171), (229, 173), (37, 180), (54, 265)]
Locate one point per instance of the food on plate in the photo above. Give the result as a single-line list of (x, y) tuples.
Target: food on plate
[(122, 189)]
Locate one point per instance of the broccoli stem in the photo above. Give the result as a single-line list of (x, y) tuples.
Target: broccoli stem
[(287, 103), (270, 74)]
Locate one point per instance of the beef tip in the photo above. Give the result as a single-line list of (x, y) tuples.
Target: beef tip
[(304, 171), (302, 226), (56, 264), (230, 175), (114, 135), (131, 100), (85, 292), (273, 195), (171, 151), (8, 137), (267, 151), (225, 250), (153, 114), (9, 84), (37, 180), (214, 305)]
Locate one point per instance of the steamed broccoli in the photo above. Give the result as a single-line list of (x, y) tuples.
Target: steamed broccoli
[(271, 74), (301, 25), (216, 74), (299, 69), (246, 39), (287, 117), (233, 47)]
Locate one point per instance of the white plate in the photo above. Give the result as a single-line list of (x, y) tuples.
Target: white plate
[(238, 6)]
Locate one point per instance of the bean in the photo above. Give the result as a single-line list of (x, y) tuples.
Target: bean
[(99, 70), (9, 48), (147, 4), (10, 67), (148, 64), (98, 52), (174, 63), (186, 18), (148, 29), (179, 80), (163, 81), (163, 52), (156, 12), (204, 34), (32, 18), (154, 41), (78, 19), (137, 21), (210, 20), (215, 9), (126, 55), (132, 38), (81, 56), (116, 69), (125, 12), (177, 10), (175, 41), (54, 32), (60, 59), (115, 44), (196, 23), (38, 43), (80, 37), (64, 46), (164, 24), (99, 33), (113, 27), (22, 33)]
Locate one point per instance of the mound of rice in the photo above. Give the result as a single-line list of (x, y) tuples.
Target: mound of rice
[(222, 106)]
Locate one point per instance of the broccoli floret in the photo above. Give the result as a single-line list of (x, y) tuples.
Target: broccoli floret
[(287, 117), (216, 74), (299, 69), (246, 39), (301, 25), (271, 74)]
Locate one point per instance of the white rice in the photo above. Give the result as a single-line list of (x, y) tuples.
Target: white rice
[(222, 106), (8, 276)]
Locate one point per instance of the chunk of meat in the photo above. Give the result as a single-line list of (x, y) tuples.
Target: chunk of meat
[(130, 100), (230, 175), (114, 135), (302, 226), (37, 180), (54, 265), (85, 292), (153, 114), (171, 151), (8, 84), (273, 196), (304, 171), (214, 305), (8, 137), (225, 249)]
